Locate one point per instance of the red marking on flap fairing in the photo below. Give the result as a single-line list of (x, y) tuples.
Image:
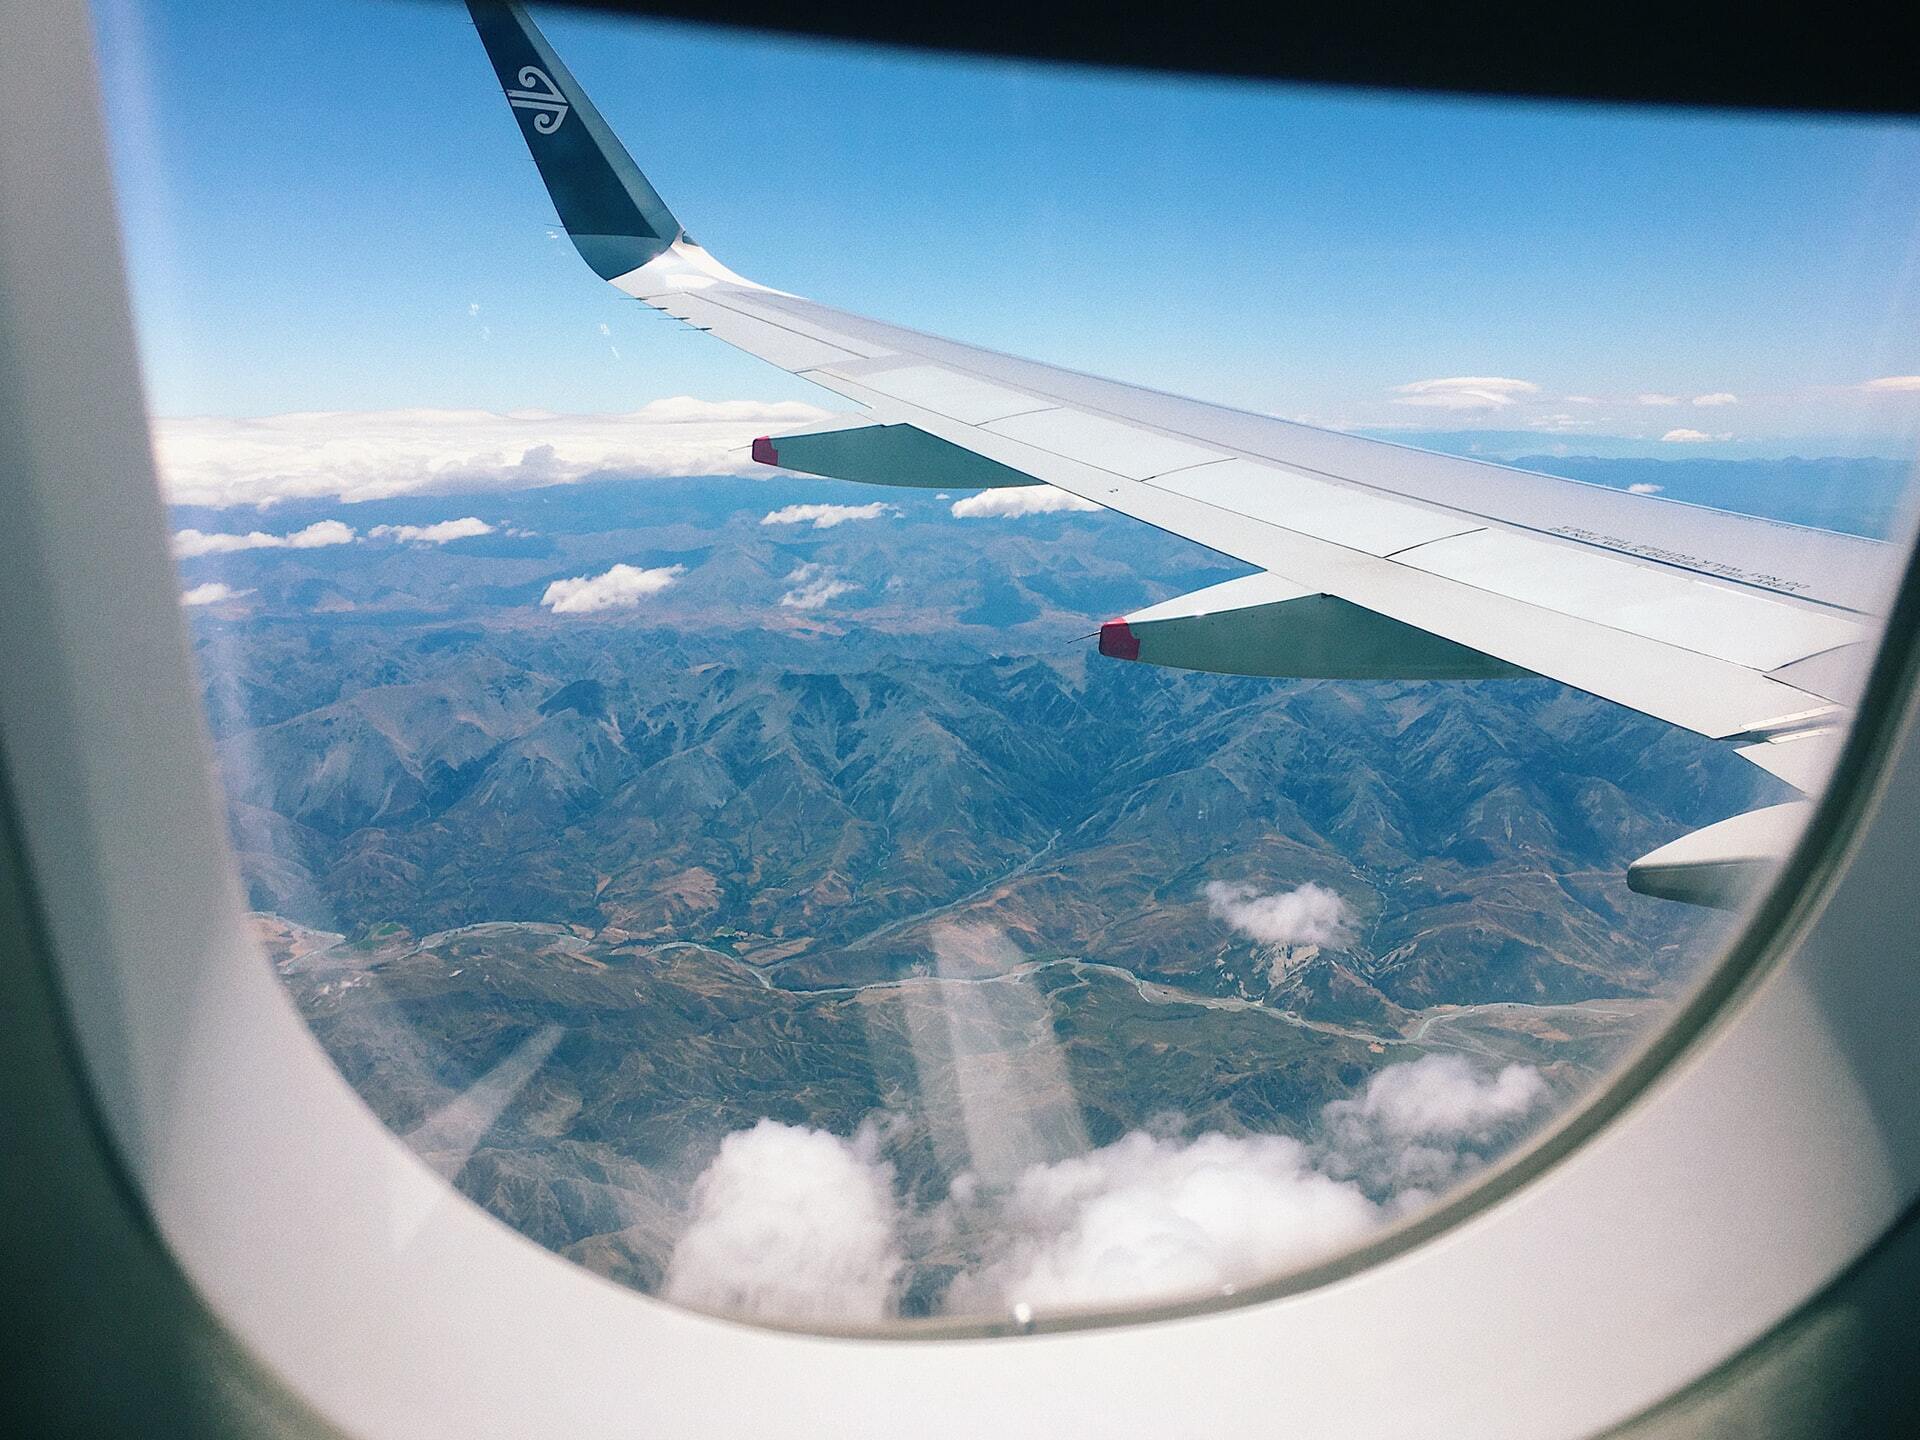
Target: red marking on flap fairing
[(764, 453), (1118, 640)]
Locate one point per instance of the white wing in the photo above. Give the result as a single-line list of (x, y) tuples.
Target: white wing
[(1378, 559)]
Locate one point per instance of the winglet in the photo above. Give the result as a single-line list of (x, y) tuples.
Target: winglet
[(615, 219)]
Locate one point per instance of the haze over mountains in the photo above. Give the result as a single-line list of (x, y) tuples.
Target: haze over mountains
[(837, 822)]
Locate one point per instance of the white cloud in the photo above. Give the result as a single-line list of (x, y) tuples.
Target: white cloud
[(621, 588), (1644, 488), (188, 543), (1718, 397), (792, 1223), (1438, 1095), (211, 594), (1421, 1127), (354, 456), (825, 517), (813, 586), (798, 1224), (439, 534), (1559, 424), (1464, 392), (1018, 500), (1654, 398), (1148, 1217), (1583, 400), (1896, 384), (1309, 914), (1153, 1216), (1684, 436)]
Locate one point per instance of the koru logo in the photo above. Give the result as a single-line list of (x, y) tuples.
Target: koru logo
[(542, 97)]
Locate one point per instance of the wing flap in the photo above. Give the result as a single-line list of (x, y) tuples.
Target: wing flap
[(951, 393), (1744, 626), (1325, 509), (1110, 445), (1803, 758), (1839, 674)]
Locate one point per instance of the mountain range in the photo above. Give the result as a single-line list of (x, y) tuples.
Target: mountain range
[(728, 854)]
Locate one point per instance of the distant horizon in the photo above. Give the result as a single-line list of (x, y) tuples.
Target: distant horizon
[(1464, 439), (1859, 495), (260, 462)]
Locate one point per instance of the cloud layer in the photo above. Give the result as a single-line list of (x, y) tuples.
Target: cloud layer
[(621, 588), (381, 454), (188, 543), (798, 1224), (1019, 500)]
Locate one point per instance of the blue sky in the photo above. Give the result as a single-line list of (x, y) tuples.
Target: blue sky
[(329, 208)]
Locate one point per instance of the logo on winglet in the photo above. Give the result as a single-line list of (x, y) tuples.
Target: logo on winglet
[(542, 97)]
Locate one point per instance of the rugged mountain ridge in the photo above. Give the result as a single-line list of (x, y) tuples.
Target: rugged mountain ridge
[(646, 877), (817, 821)]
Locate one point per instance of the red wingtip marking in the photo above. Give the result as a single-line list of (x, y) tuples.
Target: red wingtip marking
[(1118, 640), (764, 453)]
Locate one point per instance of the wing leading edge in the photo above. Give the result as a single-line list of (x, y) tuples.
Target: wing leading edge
[(1379, 560)]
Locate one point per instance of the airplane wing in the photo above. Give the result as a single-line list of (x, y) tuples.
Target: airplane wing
[(1376, 560)]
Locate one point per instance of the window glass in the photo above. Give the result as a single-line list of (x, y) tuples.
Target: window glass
[(758, 888)]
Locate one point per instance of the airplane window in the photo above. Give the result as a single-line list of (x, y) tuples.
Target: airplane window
[(844, 828)]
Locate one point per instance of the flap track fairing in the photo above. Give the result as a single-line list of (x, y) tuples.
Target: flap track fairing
[(1267, 625), (888, 455)]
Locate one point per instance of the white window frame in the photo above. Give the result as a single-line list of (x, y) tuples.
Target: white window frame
[(1747, 1156)]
